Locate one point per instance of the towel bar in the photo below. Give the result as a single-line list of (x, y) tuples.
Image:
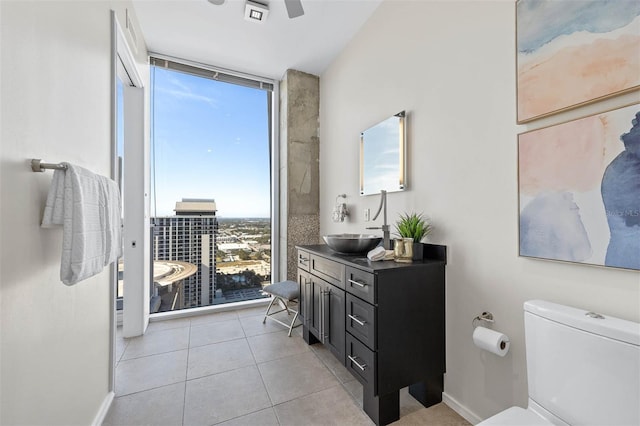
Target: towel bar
[(38, 166)]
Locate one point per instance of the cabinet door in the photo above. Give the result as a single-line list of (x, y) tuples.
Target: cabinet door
[(335, 320), (304, 281), (314, 305)]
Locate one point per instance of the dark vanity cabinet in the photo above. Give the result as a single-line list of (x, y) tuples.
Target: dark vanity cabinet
[(322, 302), (383, 320)]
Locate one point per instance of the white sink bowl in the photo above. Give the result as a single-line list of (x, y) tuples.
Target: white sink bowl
[(352, 243)]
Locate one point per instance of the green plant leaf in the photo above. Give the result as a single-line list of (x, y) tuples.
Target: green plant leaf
[(413, 225)]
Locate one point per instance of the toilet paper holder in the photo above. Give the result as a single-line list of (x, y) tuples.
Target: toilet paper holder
[(485, 316), (488, 339)]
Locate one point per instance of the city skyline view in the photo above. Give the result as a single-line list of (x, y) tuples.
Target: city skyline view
[(200, 261), (210, 140)]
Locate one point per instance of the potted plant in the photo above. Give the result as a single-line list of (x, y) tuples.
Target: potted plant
[(414, 226)]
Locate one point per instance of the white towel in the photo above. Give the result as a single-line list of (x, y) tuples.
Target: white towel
[(88, 207), (379, 253), (339, 212), (376, 254)]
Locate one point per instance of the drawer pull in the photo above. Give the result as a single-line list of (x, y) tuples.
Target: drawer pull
[(356, 319), (303, 259), (358, 283), (324, 315), (321, 325), (360, 366)]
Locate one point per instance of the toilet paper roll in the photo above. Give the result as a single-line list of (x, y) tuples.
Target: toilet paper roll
[(491, 341)]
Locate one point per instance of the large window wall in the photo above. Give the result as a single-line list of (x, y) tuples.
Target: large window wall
[(213, 199)]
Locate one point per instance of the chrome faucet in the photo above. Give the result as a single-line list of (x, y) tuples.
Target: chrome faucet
[(385, 227)]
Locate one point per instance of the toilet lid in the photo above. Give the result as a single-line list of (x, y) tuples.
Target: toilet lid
[(515, 416)]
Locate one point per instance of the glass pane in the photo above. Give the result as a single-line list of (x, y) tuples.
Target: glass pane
[(211, 196)]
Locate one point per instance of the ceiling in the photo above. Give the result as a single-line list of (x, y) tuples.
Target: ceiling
[(220, 36)]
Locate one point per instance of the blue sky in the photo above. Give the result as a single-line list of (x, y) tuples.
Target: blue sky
[(210, 140)]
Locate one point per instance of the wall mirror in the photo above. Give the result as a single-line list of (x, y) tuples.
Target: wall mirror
[(382, 156)]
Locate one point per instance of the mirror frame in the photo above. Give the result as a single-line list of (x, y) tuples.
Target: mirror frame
[(401, 184)]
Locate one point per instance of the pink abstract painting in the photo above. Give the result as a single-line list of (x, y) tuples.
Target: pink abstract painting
[(573, 52), (579, 190)]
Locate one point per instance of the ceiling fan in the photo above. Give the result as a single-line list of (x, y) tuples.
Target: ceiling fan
[(294, 7)]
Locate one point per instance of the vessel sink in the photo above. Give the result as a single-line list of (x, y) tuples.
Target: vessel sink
[(352, 243)]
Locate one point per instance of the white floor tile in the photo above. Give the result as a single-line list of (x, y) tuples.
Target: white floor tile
[(266, 417), (228, 368), (267, 347), (217, 317), (218, 357), (253, 325), (157, 342), (295, 376), (224, 396), (332, 406), (252, 312), (168, 324), (215, 332), (150, 372), (160, 406)]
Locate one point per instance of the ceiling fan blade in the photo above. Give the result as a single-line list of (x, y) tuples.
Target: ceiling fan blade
[(216, 2), (294, 8)]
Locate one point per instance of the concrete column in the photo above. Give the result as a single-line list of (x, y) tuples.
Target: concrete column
[(299, 170)]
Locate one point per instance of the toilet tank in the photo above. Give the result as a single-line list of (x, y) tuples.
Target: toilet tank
[(582, 367)]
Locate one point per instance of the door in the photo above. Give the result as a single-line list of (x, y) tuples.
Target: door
[(335, 320), (304, 281), (127, 127), (314, 320), (326, 314), (135, 235)]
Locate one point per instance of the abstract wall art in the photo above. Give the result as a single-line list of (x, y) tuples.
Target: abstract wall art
[(570, 53), (579, 190)]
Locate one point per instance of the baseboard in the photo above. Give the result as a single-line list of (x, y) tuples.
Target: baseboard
[(104, 409), (467, 414)]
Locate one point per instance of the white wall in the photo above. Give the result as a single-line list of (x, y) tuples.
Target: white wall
[(451, 65), (56, 105)]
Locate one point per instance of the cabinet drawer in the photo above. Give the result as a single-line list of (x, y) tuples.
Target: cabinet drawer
[(328, 270), (361, 362), (304, 259), (361, 284), (361, 321)]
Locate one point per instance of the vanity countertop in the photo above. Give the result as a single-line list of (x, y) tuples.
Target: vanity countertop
[(434, 254)]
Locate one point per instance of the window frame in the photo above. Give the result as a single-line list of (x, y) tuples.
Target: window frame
[(272, 87)]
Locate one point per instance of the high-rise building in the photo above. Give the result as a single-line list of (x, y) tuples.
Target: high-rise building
[(190, 236)]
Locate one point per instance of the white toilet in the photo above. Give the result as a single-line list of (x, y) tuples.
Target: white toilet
[(583, 369)]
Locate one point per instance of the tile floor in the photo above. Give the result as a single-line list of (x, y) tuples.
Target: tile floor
[(230, 369)]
